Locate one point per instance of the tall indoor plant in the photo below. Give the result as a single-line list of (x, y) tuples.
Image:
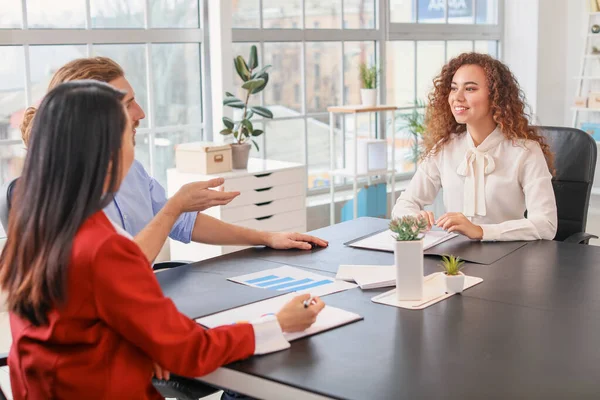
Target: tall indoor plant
[(368, 79), (255, 80), (414, 123), (408, 256)]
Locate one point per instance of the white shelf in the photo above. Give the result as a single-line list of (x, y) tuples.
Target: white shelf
[(587, 77), (350, 174), (593, 56)]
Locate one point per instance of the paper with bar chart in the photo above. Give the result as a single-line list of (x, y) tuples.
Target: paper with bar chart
[(294, 279)]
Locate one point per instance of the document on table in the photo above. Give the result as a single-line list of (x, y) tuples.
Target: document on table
[(368, 276), (294, 279), (385, 240), (330, 317)]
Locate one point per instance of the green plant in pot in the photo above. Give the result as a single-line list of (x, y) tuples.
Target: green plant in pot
[(254, 81), (414, 123), (368, 79), (455, 280), (408, 256)]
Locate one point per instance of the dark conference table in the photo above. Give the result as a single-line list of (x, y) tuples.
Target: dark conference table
[(530, 330)]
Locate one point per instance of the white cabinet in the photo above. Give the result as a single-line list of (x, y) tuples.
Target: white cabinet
[(272, 198)]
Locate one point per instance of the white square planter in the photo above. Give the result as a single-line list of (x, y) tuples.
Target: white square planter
[(408, 259)]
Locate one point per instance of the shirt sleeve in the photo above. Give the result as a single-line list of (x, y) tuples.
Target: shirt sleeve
[(542, 218), (183, 227), (422, 190), (129, 300)]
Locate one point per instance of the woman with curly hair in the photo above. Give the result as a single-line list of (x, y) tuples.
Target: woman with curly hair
[(480, 148)]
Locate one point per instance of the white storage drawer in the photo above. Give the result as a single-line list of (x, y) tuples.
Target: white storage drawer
[(235, 214), (276, 222), (272, 198), (264, 181), (268, 194)]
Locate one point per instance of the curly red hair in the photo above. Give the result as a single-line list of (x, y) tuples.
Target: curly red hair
[(507, 103)]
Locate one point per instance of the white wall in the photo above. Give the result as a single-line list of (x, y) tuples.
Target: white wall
[(575, 34), (520, 45), (543, 42)]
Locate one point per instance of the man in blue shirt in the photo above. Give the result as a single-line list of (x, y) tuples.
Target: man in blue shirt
[(141, 205)]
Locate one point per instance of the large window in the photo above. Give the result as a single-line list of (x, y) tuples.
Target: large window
[(315, 48), (157, 42)]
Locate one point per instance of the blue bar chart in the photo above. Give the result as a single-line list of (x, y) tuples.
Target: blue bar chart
[(293, 279)]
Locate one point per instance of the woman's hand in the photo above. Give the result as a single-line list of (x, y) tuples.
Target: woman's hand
[(161, 373), (294, 317), (457, 222), (427, 216)]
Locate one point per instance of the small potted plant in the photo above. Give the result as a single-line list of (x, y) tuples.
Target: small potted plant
[(255, 80), (455, 280), (408, 256), (368, 91)]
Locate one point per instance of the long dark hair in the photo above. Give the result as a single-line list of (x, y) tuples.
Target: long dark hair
[(74, 145)]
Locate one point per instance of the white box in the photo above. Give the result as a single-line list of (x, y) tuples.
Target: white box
[(371, 155), (203, 158)]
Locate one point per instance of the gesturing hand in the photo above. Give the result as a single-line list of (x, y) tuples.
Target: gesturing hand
[(457, 222), (198, 196)]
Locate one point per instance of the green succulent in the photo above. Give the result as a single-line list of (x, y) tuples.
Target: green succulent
[(408, 227), (451, 264), (255, 80)]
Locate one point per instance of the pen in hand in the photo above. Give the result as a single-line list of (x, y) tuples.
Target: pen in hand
[(308, 302)]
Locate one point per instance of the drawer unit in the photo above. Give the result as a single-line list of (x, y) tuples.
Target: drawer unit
[(272, 198)]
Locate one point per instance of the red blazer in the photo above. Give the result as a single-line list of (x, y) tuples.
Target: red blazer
[(102, 343)]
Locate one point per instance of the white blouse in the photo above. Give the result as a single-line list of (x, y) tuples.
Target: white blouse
[(491, 184)]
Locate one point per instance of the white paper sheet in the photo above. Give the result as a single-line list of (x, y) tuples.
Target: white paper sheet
[(295, 279), (368, 276), (329, 317)]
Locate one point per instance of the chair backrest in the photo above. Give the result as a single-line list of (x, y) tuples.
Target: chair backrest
[(6, 192), (575, 154)]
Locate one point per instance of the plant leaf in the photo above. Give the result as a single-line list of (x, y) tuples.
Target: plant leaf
[(249, 114), (228, 122), (229, 100), (253, 84), (242, 68), (257, 132), (226, 132), (248, 125), (229, 94), (262, 111), (264, 76), (239, 105), (255, 145), (262, 71), (253, 59)]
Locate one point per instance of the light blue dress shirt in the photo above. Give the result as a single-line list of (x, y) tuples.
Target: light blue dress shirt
[(139, 199)]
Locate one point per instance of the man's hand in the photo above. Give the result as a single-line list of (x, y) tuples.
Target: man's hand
[(293, 240), (198, 196), (457, 222), (161, 373)]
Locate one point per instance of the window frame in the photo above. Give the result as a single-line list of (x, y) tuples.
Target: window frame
[(147, 36)]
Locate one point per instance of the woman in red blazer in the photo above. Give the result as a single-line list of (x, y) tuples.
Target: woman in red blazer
[(88, 318)]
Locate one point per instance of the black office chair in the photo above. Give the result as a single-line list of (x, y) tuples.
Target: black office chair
[(575, 154), (179, 387)]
